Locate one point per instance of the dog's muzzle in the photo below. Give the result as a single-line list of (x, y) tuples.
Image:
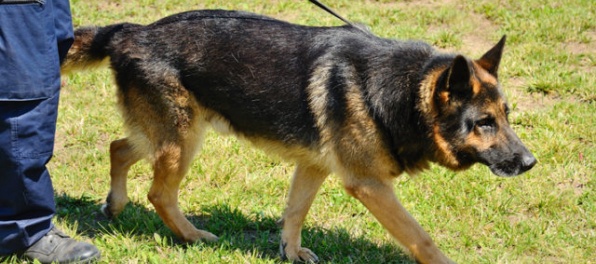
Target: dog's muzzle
[(518, 165)]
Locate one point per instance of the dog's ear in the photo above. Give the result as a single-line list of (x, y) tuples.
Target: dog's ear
[(458, 77), (491, 59)]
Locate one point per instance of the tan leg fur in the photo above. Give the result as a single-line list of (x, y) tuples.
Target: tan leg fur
[(305, 184)]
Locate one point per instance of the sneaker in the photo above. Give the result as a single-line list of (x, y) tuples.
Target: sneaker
[(57, 247)]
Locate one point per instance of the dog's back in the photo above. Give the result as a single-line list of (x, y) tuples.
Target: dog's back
[(255, 70)]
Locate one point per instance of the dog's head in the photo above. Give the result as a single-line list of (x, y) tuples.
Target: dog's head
[(470, 118)]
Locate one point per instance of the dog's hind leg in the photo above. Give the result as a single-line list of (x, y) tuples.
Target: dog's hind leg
[(166, 125), (378, 196), (171, 164), (122, 156), (305, 183)]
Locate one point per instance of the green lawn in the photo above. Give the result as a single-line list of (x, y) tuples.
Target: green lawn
[(237, 192)]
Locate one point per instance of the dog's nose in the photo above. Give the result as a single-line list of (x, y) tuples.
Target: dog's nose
[(528, 161)]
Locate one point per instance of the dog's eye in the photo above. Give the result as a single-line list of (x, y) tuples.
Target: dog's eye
[(485, 123)]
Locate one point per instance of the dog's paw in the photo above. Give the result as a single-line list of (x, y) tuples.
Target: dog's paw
[(299, 254), (114, 205), (111, 211), (208, 237), (106, 211), (198, 235)]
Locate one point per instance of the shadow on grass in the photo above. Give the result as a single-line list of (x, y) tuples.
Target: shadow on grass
[(236, 231)]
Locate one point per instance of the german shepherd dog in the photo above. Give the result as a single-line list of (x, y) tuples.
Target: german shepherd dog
[(331, 99)]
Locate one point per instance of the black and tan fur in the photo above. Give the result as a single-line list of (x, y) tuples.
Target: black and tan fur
[(331, 99)]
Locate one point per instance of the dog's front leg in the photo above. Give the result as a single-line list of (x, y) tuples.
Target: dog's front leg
[(304, 187), (378, 196)]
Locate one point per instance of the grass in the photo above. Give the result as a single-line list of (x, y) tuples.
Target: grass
[(237, 192)]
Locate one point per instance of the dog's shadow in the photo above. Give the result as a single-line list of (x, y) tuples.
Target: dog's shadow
[(236, 231)]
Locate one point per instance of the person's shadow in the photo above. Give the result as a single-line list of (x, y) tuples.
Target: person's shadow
[(235, 230)]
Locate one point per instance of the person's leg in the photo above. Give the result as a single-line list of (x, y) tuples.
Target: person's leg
[(27, 205), (33, 40), (26, 194)]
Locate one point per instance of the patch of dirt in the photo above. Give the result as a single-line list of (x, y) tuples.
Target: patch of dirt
[(525, 101), (583, 48), (413, 3), (578, 186), (577, 48), (587, 50), (475, 43), (480, 41), (59, 141)]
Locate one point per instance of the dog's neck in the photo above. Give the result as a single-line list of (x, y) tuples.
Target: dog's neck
[(396, 104), (412, 113), (431, 80)]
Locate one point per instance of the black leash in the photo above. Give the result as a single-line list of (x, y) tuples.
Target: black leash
[(324, 7)]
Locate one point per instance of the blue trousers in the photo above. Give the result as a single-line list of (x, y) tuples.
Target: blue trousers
[(34, 37)]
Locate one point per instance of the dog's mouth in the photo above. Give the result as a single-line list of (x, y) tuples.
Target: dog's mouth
[(513, 167)]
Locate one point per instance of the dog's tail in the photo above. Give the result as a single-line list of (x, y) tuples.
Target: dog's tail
[(90, 47)]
